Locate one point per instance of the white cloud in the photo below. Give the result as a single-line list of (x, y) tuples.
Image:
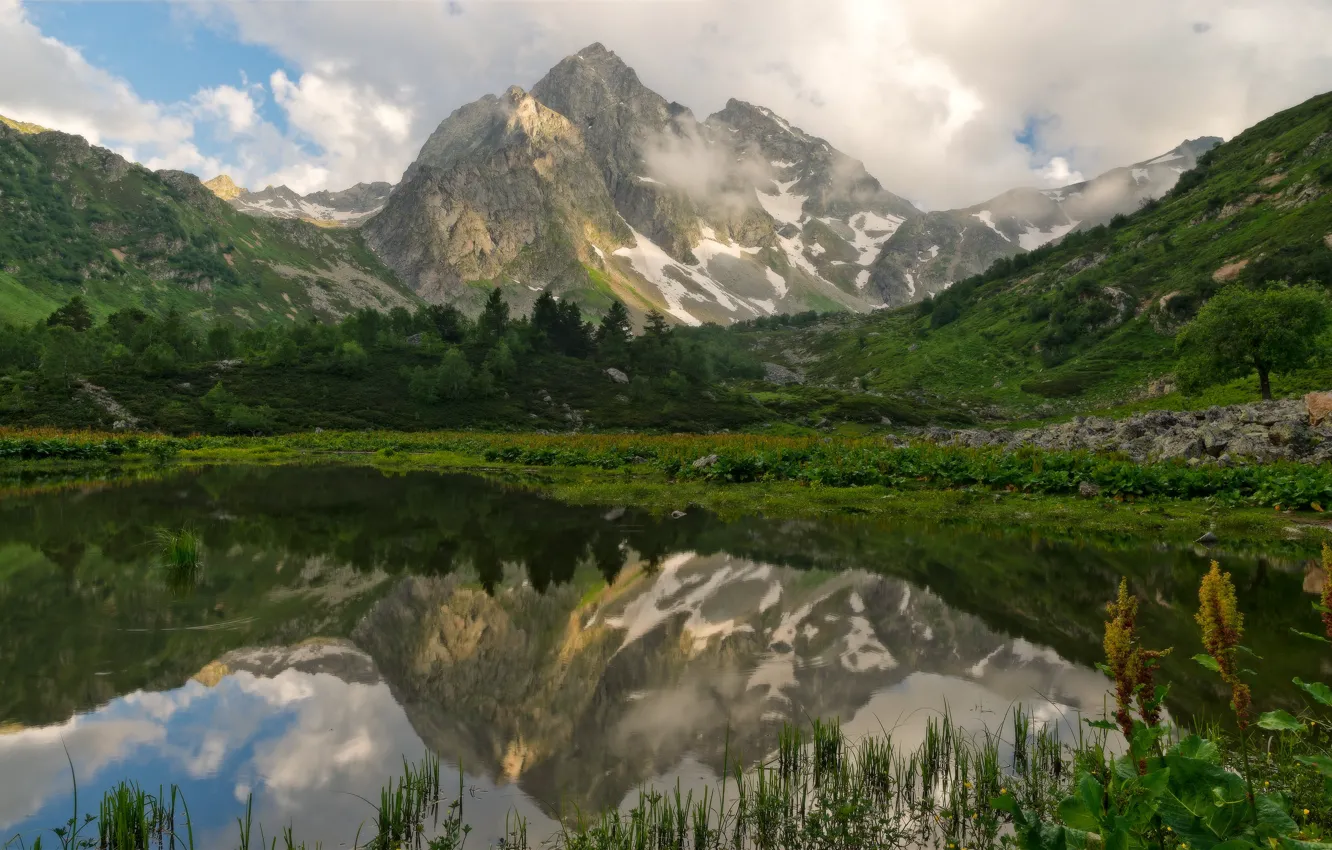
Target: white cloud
[(1058, 173), (229, 103), (930, 94)]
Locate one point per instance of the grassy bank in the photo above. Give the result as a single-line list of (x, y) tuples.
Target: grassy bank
[(1276, 505)]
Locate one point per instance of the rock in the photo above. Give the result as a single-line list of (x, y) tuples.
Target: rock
[(319, 430), (677, 514), (617, 376), (776, 373), (1089, 490), (414, 339), (1318, 406), (1208, 539), (705, 462)]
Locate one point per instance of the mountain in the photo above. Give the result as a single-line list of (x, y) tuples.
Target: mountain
[(931, 251), (712, 653), (22, 126), (347, 208), (595, 186), (76, 219), (1090, 320)]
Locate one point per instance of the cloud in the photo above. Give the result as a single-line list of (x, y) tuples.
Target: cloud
[(1058, 173), (930, 94), (49, 83)]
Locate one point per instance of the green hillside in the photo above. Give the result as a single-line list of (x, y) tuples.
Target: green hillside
[(80, 220), (1091, 322)]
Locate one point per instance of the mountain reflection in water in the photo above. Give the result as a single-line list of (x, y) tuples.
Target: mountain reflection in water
[(563, 655)]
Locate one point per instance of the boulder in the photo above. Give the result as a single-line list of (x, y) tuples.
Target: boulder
[(705, 462), (1319, 407), (617, 376), (1089, 490)]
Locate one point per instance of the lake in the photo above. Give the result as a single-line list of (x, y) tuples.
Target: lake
[(565, 656)]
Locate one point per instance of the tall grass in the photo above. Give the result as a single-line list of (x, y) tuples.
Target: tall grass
[(181, 555)]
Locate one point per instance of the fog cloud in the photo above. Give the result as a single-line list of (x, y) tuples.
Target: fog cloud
[(947, 102)]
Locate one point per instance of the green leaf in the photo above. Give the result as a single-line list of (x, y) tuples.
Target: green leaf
[(1101, 724), (1280, 721), (1272, 814), (1317, 690), (1197, 747), (1242, 648), (1318, 638), (1323, 763), (1207, 661)]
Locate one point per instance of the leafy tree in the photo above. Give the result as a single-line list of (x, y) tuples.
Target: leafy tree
[(1242, 330), (159, 359), (74, 315), (448, 322), (502, 363), (221, 341), (454, 375), (218, 401), (64, 354), (350, 358), (423, 385)]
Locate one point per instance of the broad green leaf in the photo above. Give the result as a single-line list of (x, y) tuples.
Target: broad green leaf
[(1207, 661), (1242, 648), (1323, 763), (1272, 814), (1317, 690), (1101, 724), (1296, 844), (1197, 747), (1073, 811), (1280, 721)]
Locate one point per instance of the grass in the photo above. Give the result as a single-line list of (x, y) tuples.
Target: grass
[(182, 557), (770, 476)]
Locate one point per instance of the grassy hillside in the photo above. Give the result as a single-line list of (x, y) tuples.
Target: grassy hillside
[(80, 220), (1091, 322)]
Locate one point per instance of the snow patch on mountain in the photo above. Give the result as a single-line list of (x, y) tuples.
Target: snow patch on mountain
[(988, 221), (1034, 237), (786, 206), (862, 278), (649, 260), (871, 231)]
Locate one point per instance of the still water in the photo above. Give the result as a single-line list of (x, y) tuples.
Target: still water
[(563, 656)]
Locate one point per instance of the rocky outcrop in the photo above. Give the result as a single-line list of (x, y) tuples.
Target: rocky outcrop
[(504, 186), (1262, 432)]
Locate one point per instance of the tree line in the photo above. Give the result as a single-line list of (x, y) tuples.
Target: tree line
[(440, 353)]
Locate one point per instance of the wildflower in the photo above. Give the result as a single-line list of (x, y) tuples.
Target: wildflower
[(1327, 589), (1132, 667), (1222, 627)]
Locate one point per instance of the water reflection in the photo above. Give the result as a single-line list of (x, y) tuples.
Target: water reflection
[(563, 655)]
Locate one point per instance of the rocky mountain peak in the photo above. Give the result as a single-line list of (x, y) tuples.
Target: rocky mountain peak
[(224, 187), (22, 126)]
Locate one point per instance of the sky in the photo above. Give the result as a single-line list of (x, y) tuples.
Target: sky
[(947, 102)]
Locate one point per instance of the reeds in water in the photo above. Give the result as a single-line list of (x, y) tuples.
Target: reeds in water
[(181, 556)]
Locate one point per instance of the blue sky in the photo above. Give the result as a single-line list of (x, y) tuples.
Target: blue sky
[(946, 101), (167, 53)]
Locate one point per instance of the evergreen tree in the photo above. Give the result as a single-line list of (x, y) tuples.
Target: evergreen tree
[(494, 320), (74, 315), (615, 331)]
